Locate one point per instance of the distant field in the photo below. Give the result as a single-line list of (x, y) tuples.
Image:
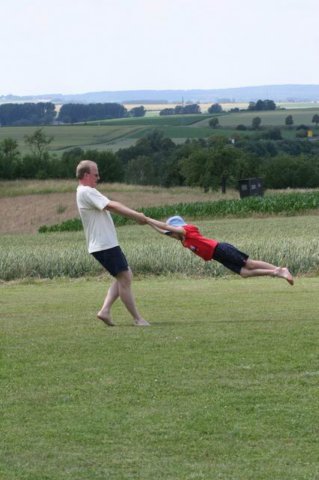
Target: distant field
[(122, 133), (268, 119), (152, 108), (70, 136), (109, 135)]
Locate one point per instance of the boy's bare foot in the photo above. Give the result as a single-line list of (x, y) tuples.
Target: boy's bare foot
[(141, 323), (283, 272), (106, 319)]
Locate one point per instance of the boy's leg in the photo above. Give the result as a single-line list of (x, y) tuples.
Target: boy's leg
[(257, 268), (259, 264)]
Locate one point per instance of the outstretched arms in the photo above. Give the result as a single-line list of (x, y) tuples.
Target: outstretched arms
[(119, 208), (164, 228)]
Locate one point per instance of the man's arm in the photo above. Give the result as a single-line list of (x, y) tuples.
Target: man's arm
[(120, 209)]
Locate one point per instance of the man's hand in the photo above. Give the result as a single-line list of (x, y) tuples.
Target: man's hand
[(143, 219)]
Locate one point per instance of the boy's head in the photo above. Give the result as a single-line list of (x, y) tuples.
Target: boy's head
[(175, 221)]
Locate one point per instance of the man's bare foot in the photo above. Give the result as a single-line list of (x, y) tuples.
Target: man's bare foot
[(283, 272), (106, 319), (141, 323)]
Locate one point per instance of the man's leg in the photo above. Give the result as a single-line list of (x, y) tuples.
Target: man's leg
[(105, 313), (124, 280)]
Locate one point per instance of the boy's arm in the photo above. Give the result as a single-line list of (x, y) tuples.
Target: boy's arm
[(164, 227), (159, 230)]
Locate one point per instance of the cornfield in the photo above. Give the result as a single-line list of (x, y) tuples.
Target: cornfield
[(288, 241)]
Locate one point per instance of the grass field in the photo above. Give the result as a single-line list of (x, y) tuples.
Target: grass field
[(123, 133), (223, 385), (291, 241), (268, 119)]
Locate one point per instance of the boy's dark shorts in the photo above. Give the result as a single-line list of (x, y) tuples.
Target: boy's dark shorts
[(230, 257), (112, 259)]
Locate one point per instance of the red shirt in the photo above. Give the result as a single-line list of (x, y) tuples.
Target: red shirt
[(201, 246)]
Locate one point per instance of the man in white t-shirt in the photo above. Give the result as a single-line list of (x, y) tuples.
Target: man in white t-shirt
[(101, 239)]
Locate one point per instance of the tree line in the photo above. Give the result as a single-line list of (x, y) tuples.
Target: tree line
[(16, 114), (157, 160), (44, 113)]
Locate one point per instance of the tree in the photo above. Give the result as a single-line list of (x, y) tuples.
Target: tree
[(295, 172), (191, 108), (261, 105), (289, 121), (215, 108), (109, 165), (210, 167), (315, 119), (9, 157), (40, 113), (213, 122), (38, 143), (271, 134), (137, 111), (302, 131), (80, 112), (256, 122), (167, 111), (269, 105), (140, 171)]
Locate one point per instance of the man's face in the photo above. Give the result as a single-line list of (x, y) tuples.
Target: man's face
[(93, 177)]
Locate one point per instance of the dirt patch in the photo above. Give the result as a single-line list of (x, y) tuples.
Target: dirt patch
[(25, 214)]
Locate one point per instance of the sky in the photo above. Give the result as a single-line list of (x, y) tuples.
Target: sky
[(80, 46)]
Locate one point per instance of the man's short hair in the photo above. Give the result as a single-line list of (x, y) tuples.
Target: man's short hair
[(83, 167)]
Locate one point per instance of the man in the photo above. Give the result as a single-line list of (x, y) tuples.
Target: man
[(102, 240)]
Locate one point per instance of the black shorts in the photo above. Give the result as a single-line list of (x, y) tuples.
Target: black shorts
[(112, 259), (230, 257)]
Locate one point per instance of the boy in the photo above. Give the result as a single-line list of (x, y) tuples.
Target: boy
[(224, 253)]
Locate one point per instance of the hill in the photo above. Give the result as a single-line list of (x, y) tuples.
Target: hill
[(278, 93)]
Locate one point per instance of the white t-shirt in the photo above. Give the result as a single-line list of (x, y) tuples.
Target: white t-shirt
[(98, 224)]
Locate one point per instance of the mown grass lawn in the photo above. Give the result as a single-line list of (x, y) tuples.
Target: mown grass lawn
[(223, 385)]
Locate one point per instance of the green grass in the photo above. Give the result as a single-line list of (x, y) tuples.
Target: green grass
[(223, 385), (268, 118), (122, 133), (66, 137), (291, 241), (106, 136), (176, 132), (156, 121)]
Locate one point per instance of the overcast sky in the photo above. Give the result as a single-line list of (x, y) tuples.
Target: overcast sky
[(78, 46)]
